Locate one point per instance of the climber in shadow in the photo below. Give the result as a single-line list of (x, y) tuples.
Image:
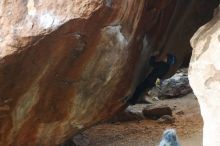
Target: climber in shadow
[(160, 69)]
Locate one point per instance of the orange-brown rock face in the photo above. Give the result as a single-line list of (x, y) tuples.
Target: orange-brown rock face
[(66, 65)]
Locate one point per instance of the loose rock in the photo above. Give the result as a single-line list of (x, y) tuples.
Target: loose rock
[(166, 119), (81, 140), (180, 113), (127, 115), (175, 86), (157, 112)]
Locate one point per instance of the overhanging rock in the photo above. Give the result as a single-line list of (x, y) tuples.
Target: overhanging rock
[(66, 65)]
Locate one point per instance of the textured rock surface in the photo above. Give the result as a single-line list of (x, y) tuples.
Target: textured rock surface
[(157, 112), (127, 115), (204, 76), (65, 65), (175, 86)]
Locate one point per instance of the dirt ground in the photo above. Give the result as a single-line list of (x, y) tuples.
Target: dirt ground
[(188, 124)]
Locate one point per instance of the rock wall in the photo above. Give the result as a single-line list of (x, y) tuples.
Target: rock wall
[(204, 75), (66, 65), (174, 23)]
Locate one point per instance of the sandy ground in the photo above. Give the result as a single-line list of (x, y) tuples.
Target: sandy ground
[(148, 132)]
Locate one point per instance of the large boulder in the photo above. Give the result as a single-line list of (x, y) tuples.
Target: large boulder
[(66, 65), (204, 76), (176, 86)]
